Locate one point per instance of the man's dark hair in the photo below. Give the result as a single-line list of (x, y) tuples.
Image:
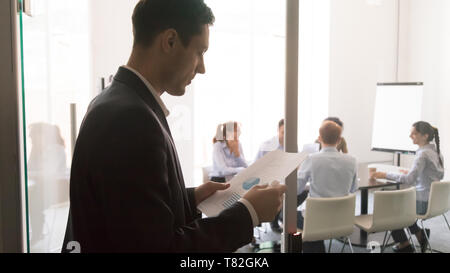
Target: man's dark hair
[(187, 17), (280, 123)]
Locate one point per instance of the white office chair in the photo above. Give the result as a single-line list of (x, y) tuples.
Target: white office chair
[(329, 218), (392, 210), (438, 204)]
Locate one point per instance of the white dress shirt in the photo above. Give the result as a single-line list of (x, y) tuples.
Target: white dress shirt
[(269, 146)]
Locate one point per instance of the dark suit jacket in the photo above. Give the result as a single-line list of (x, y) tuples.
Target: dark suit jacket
[(127, 191)]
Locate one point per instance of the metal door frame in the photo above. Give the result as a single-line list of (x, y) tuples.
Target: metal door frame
[(12, 228)]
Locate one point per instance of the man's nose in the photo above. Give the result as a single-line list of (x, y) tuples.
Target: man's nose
[(201, 67)]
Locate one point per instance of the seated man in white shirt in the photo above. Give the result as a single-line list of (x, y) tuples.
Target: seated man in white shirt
[(275, 143), (330, 173)]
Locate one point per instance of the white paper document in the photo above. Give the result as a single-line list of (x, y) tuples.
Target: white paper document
[(274, 166)]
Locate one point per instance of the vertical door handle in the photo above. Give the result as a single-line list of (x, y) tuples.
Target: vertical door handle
[(25, 5)]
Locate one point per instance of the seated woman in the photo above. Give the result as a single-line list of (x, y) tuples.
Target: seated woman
[(427, 168), (342, 145), (228, 156)]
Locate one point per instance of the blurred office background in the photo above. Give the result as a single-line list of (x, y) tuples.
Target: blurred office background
[(73, 47)]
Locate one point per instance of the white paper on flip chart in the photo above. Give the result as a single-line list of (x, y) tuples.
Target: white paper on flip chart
[(273, 166)]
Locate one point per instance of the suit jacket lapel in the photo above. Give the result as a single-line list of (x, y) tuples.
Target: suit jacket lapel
[(131, 79)]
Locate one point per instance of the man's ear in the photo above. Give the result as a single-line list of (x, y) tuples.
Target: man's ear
[(169, 39), (320, 139)]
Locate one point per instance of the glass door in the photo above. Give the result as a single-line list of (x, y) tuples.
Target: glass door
[(56, 83), (70, 50)]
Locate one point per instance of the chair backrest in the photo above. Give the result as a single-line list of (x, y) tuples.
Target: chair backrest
[(394, 209), (439, 202), (206, 171), (327, 218)]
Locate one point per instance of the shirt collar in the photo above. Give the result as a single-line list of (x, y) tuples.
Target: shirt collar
[(151, 89), (329, 149), (429, 146)]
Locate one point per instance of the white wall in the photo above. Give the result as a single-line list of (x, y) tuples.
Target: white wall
[(424, 56), (314, 69), (363, 52), (111, 37)]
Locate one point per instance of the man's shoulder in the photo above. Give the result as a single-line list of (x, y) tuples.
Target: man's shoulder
[(119, 108), (348, 159), (269, 145), (334, 156), (117, 96)]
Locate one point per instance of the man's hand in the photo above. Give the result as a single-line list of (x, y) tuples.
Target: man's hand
[(204, 191), (234, 147), (266, 200)]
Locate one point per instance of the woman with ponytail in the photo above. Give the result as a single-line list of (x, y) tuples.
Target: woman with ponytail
[(228, 156), (428, 167)]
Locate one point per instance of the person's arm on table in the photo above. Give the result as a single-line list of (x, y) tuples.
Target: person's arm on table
[(408, 179)]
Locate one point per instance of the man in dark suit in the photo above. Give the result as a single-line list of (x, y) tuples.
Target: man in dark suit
[(127, 190)]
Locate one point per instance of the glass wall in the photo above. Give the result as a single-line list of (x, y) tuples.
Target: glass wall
[(71, 48), (56, 75), (244, 78), (245, 74)]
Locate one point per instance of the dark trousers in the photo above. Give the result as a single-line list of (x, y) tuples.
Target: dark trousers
[(300, 199), (218, 179), (399, 236)]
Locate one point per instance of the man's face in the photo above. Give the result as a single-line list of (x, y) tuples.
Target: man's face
[(186, 62), (281, 135)]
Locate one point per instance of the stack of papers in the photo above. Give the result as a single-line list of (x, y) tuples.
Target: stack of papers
[(274, 166)]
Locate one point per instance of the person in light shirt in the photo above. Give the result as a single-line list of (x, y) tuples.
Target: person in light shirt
[(342, 146), (330, 173), (228, 156), (275, 143), (427, 168)]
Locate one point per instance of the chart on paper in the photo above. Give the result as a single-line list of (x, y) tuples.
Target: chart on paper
[(274, 166)]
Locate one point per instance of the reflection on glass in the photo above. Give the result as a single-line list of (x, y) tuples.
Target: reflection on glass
[(48, 181), (56, 74), (346, 47)]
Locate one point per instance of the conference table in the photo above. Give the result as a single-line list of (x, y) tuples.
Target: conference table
[(360, 237)]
